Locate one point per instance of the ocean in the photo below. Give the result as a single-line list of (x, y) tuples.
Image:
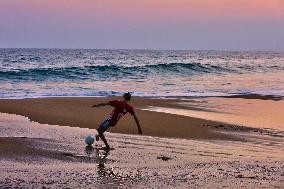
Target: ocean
[(34, 73)]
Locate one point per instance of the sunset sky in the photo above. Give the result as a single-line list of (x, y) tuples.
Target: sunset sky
[(140, 24)]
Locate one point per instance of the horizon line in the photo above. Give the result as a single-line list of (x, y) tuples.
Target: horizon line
[(141, 49)]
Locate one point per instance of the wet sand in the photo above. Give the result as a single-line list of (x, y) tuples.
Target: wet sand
[(39, 155), (77, 112), (189, 118), (248, 111)]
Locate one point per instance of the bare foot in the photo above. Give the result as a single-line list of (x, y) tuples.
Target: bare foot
[(97, 138), (107, 148)]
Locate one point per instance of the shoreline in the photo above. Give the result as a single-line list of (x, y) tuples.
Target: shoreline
[(77, 112), (243, 96)]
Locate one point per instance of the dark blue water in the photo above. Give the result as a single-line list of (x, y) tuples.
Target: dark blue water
[(52, 72)]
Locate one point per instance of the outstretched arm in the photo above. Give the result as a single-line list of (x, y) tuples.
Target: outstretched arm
[(101, 104), (138, 124)]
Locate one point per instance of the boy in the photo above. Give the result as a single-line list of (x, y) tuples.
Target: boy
[(120, 109)]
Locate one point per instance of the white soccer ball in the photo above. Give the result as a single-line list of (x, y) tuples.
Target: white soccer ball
[(89, 140)]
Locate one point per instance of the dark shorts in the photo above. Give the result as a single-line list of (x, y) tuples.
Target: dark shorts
[(104, 125)]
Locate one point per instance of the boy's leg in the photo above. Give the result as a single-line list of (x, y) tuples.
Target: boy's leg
[(102, 136), (103, 127)]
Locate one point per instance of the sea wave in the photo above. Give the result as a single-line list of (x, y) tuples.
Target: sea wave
[(114, 70), (46, 72)]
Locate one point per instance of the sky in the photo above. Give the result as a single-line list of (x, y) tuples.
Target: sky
[(143, 24)]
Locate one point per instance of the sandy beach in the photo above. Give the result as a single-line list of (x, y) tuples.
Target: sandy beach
[(180, 151), (40, 155), (77, 112)]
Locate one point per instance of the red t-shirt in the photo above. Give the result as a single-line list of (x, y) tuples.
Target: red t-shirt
[(120, 109)]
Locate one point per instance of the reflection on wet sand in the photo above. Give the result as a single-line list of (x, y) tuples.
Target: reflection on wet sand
[(100, 154), (104, 173), (246, 112)]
